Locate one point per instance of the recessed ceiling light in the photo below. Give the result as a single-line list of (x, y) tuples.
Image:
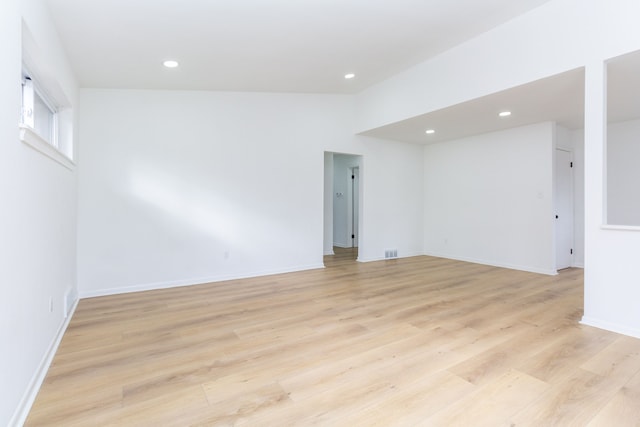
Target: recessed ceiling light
[(430, 131), (170, 63), (349, 76), (505, 114)]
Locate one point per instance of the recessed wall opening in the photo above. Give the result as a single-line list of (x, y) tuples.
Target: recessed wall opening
[(622, 152)]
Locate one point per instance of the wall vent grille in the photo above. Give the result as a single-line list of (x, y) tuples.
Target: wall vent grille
[(390, 253)]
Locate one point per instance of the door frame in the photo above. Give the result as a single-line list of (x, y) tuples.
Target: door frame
[(353, 206)]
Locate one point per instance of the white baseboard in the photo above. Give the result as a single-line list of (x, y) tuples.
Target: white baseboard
[(529, 269), (192, 281), (343, 245), (329, 253), (22, 411), (612, 327), (372, 259)]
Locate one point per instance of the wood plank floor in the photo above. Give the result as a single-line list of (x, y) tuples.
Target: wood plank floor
[(410, 342)]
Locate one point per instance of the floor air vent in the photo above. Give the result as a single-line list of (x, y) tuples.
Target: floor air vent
[(390, 253)]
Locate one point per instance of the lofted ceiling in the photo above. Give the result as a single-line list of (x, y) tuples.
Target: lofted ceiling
[(307, 46), (264, 45)]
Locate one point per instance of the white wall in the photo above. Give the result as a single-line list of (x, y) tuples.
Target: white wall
[(539, 44), (612, 272), (509, 55), (391, 200), (188, 187), (488, 199), (563, 138), (623, 173), (37, 221), (328, 204), (611, 268)]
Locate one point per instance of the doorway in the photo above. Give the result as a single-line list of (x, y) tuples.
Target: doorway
[(342, 207)]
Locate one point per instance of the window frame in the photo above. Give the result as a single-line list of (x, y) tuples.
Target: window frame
[(29, 132), (31, 92)]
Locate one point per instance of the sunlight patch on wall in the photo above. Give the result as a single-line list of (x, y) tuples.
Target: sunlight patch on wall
[(213, 216)]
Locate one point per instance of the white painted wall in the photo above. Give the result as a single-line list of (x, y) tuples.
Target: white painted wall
[(189, 187), (611, 268), (328, 204), (509, 55), (612, 272), (37, 221), (535, 45), (392, 184), (623, 173), (563, 139), (488, 199)]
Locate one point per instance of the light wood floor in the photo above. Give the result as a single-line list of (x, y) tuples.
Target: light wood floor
[(416, 341)]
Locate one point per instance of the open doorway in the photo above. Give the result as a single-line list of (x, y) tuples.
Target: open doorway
[(342, 207)]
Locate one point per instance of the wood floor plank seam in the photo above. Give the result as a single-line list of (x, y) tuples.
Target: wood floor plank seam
[(406, 342)]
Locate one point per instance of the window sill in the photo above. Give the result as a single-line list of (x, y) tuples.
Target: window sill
[(35, 141)]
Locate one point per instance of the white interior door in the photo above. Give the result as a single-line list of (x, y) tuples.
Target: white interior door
[(564, 209)]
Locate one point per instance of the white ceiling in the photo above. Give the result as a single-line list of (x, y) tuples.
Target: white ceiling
[(308, 45), (264, 45), (558, 98)]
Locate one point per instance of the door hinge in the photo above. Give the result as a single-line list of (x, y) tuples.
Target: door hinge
[(353, 236), (571, 164), (571, 251), (353, 177)]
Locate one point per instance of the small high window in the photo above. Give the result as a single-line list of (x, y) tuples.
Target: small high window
[(38, 112), (47, 121)]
